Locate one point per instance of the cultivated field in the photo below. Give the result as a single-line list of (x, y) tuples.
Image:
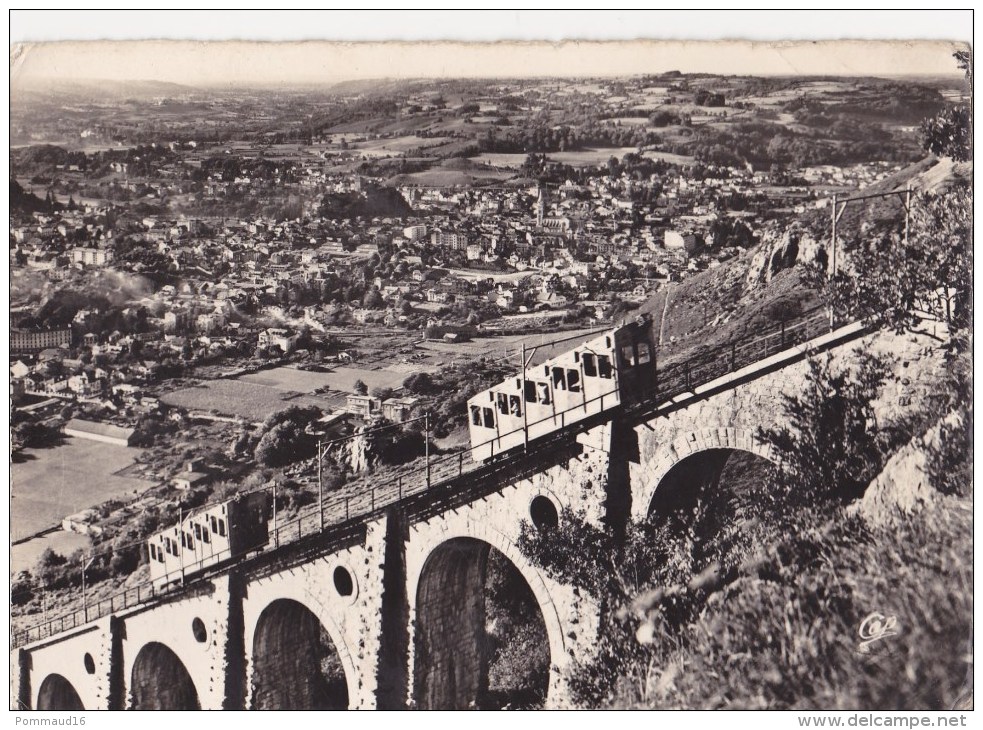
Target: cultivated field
[(397, 145), (452, 173), (251, 401), (54, 483), (340, 378), (669, 157), (578, 158), (257, 395)]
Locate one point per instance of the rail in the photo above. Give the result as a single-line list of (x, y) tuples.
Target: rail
[(669, 381)]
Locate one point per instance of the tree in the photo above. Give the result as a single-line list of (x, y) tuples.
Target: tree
[(950, 133), (300, 416), (896, 283), (614, 167), (360, 388), (284, 444), (419, 383), (950, 456), (372, 299), (832, 446), (52, 568)]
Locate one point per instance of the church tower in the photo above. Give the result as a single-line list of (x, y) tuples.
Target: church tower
[(541, 205)]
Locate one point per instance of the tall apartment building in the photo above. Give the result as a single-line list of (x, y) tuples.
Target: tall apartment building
[(453, 241), (32, 341), (92, 256), (415, 233)]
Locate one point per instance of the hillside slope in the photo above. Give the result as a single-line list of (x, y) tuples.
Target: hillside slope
[(764, 284)]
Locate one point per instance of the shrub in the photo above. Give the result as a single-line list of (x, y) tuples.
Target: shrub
[(831, 446)]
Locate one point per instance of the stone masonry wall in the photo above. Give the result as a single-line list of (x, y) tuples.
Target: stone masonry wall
[(571, 618), (349, 621), (731, 419)]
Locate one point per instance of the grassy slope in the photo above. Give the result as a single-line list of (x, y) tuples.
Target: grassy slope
[(716, 307), (788, 637)]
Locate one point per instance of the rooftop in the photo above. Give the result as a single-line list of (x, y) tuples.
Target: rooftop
[(100, 429)]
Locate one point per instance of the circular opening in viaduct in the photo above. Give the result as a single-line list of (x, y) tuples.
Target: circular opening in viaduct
[(90, 663), (343, 581), (199, 631), (543, 513)]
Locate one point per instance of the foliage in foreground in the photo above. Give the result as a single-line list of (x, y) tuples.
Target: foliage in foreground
[(895, 282)]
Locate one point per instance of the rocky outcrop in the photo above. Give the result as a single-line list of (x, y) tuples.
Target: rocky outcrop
[(782, 251), (903, 487)]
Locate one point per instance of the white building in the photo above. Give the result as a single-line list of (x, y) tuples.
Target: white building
[(415, 233)]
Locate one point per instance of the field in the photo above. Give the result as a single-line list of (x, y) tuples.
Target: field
[(579, 158), (669, 157), (256, 396), (481, 274), (251, 401), (54, 483), (452, 172), (397, 145), (340, 379), (441, 178), (539, 347), (24, 556)]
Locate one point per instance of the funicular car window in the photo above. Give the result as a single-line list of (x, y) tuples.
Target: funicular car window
[(475, 415), (530, 389), (590, 365), (221, 528), (515, 405), (573, 381), (544, 392), (628, 355), (503, 404), (604, 366), (559, 379), (489, 417), (643, 353)]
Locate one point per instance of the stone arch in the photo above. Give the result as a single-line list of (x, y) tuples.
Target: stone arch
[(290, 644), (697, 459), (451, 577), (160, 681), (57, 693)]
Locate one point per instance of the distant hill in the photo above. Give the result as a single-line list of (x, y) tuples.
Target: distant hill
[(51, 89)]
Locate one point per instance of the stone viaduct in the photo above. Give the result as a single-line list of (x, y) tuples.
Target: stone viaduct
[(396, 603)]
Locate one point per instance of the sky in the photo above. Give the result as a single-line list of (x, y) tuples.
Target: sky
[(199, 63)]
